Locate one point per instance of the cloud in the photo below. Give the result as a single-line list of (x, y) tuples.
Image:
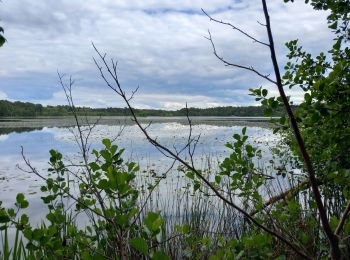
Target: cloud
[(296, 94), (159, 46), (3, 138), (3, 95), (104, 97)]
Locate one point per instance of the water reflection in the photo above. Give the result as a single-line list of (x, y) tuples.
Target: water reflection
[(8, 130), (68, 121), (37, 142)]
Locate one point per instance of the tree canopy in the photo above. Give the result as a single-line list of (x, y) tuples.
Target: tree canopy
[(27, 109)]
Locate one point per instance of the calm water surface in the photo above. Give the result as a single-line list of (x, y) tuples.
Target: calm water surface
[(37, 143)]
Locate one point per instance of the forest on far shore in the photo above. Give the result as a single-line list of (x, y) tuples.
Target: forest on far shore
[(27, 109)]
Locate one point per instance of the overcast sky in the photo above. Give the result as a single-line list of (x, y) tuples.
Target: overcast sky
[(159, 44)]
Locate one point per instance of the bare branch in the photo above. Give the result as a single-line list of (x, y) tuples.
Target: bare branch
[(250, 68), (333, 239), (286, 195), (261, 24), (170, 154), (235, 28), (133, 93), (342, 220), (80, 139), (34, 171)]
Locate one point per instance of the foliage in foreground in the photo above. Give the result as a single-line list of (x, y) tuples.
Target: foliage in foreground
[(117, 226), (97, 213), (110, 199), (285, 226)]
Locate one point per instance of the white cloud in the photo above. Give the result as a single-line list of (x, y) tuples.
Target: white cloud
[(296, 94), (3, 138), (158, 44), (177, 101), (104, 97), (3, 95)]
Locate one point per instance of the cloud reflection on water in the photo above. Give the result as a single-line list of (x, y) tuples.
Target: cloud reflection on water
[(37, 144)]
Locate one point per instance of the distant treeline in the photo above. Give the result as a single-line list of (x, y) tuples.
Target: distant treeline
[(26, 109)]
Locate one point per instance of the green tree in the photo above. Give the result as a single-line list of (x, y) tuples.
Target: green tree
[(323, 116), (308, 221), (291, 215), (324, 113)]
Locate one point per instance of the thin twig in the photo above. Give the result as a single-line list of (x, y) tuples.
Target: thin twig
[(235, 28), (171, 154), (343, 219), (227, 63), (333, 239), (34, 171)]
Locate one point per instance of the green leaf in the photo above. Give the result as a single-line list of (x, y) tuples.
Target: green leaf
[(27, 232), (190, 175), (139, 244), (159, 255), (122, 220), (274, 104), (20, 198), (24, 219), (4, 218), (186, 228), (283, 120), (106, 143), (249, 148), (21, 202), (196, 186), (2, 40), (103, 184), (218, 179), (264, 92), (37, 234), (113, 149), (94, 166), (307, 97), (237, 137), (229, 145), (11, 212), (333, 25), (106, 155), (131, 166), (153, 221), (48, 199), (334, 221), (95, 152)]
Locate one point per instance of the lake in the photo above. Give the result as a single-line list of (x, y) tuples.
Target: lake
[(37, 136)]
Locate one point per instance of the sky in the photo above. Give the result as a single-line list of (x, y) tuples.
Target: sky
[(160, 46)]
